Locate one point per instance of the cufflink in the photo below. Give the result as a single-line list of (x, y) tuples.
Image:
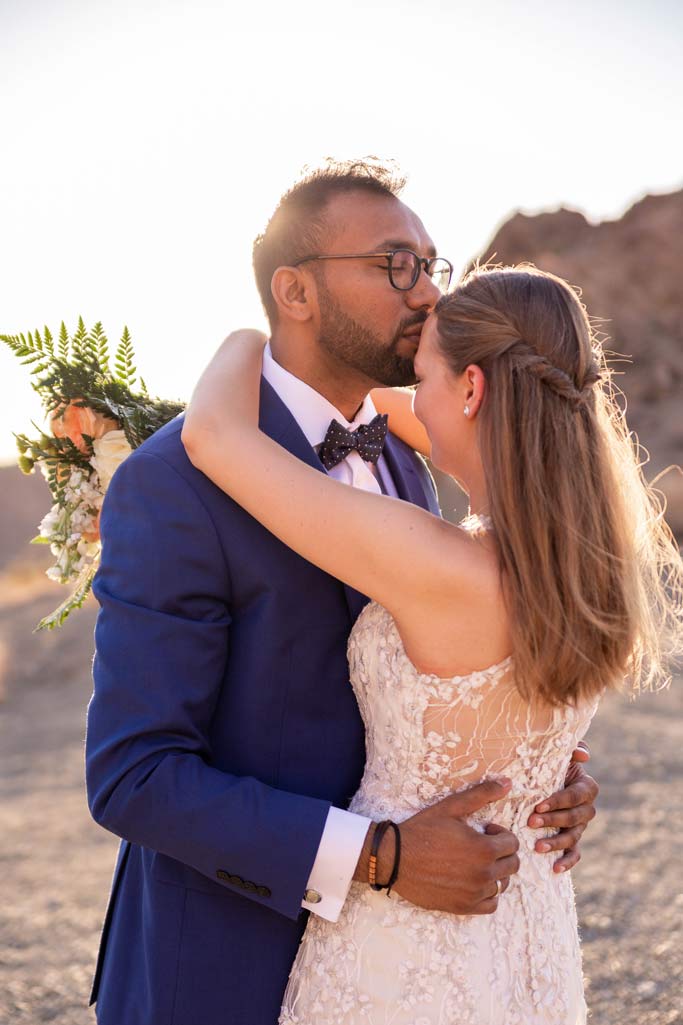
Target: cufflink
[(312, 897)]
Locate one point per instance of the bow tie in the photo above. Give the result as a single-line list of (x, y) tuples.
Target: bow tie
[(367, 440)]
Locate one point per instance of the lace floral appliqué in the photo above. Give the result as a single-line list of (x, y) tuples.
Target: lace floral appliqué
[(388, 962)]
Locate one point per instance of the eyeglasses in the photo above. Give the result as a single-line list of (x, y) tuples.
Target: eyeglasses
[(403, 266)]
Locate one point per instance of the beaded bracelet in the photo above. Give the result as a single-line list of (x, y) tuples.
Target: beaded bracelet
[(380, 830)]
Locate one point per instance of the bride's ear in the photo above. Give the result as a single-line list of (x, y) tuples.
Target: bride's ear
[(474, 388), (294, 293)]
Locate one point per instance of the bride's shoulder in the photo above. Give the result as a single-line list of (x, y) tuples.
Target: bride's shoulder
[(460, 581), (470, 555), (461, 622)]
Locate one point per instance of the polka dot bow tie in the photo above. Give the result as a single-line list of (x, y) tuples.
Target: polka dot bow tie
[(367, 440)]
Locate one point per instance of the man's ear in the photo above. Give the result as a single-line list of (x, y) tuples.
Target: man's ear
[(295, 294)]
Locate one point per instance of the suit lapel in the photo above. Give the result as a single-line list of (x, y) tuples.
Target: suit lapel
[(401, 462), (277, 422)]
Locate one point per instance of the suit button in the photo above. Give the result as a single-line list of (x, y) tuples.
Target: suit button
[(312, 897)]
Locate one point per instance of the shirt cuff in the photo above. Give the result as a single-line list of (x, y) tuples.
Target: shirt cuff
[(338, 853)]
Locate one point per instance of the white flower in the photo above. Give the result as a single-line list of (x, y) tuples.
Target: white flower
[(110, 451), (87, 548), (49, 522)]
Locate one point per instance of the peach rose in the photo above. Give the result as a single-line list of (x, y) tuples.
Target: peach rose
[(72, 421)]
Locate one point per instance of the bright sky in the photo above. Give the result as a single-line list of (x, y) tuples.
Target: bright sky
[(145, 143)]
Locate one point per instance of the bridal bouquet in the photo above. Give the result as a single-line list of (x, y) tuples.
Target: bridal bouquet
[(96, 418)]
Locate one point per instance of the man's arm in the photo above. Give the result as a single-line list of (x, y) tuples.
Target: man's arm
[(162, 641), (444, 864)]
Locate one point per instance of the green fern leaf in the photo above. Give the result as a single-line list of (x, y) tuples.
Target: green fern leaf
[(40, 344), (123, 361), (63, 342), (75, 600), (102, 347), (77, 341)]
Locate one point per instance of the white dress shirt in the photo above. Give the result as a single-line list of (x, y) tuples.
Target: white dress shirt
[(344, 833)]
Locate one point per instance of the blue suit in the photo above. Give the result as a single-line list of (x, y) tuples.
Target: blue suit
[(222, 726)]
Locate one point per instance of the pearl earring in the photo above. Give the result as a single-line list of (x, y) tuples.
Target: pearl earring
[(466, 410)]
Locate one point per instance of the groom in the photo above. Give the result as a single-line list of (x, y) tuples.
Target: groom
[(224, 741)]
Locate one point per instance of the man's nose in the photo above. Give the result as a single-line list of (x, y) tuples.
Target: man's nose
[(424, 294)]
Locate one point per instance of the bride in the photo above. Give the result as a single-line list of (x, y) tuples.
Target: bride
[(486, 646)]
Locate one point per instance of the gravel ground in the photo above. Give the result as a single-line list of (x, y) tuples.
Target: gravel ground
[(57, 863)]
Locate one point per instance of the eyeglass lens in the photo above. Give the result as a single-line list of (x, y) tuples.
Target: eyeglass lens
[(440, 272), (406, 266)]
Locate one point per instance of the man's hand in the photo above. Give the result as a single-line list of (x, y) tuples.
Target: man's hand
[(445, 864), (569, 810)]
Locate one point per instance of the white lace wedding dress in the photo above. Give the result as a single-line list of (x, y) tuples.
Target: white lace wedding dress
[(388, 962)]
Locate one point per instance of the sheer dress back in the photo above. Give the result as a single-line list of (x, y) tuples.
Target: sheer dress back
[(387, 961)]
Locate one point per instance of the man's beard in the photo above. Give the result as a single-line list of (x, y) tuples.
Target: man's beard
[(358, 348)]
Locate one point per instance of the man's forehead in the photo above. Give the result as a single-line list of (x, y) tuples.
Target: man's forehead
[(371, 222)]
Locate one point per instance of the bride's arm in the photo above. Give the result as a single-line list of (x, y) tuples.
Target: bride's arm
[(398, 404), (390, 550)]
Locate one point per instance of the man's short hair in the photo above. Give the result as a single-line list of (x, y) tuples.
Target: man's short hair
[(298, 226)]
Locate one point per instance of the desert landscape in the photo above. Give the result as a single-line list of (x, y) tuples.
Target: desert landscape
[(57, 863)]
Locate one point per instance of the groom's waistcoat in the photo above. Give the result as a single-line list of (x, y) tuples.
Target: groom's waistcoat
[(221, 728)]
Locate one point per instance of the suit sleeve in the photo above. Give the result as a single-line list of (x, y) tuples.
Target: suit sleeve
[(162, 645)]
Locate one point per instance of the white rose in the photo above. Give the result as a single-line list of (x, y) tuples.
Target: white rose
[(110, 451), (49, 522), (86, 549)]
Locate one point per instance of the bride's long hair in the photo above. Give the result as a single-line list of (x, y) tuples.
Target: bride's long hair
[(592, 574)]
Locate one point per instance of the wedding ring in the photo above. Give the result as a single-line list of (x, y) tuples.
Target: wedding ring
[(499, 888)]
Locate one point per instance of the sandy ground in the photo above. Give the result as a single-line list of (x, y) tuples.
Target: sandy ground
[(56, 863)]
